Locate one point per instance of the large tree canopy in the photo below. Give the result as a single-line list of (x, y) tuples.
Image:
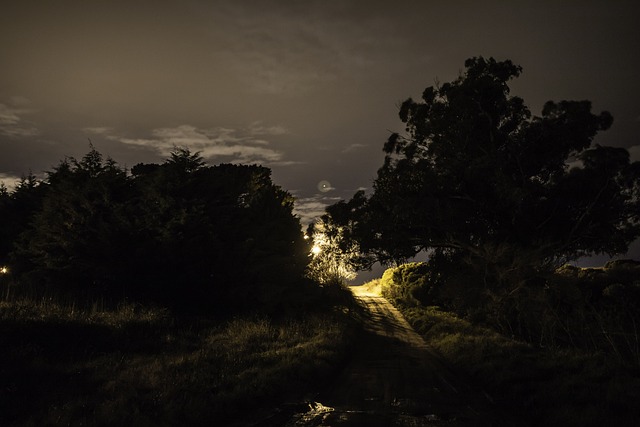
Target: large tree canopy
[(477, 175)]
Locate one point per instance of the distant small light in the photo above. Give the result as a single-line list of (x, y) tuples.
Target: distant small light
[(306, 237), (4, 270), (316, 250)]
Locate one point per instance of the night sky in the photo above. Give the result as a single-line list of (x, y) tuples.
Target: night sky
[(310, 89)]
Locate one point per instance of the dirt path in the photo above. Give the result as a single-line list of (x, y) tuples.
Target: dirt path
[(395, 380)]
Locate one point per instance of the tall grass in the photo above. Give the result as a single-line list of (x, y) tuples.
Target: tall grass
[(541, 387), (137, 365), (592, 310)]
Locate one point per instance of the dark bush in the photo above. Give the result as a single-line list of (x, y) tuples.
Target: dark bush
[(192, 237), (589, 309)]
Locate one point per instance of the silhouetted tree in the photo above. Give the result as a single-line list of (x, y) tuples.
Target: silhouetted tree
[(6, 224), (479, 179), (80, 234), (17, 208), (224, 232), (184, 234)]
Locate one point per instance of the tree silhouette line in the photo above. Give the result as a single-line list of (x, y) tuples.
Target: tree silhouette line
[(497, 197), (182, 234)]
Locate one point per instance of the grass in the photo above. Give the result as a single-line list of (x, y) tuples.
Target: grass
[(537, 386), (141, 366)]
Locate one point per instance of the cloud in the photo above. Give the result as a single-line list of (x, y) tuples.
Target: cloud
[(293, 50), (277, 74), (353, 147), (20, 101), (308, 209), (257, 128), (8, 116), (12, 123), (9, 181), (233, 145), (287, 163), (98, 130)]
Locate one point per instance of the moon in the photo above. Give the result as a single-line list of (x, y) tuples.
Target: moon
[(324, 186)]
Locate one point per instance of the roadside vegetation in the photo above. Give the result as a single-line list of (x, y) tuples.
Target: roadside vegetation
[(136, 365), (168, 294), (552, 382)]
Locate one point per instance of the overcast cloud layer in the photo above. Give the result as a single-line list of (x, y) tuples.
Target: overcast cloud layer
[(307, 88)]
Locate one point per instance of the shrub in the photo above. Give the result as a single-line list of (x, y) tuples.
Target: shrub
[(407, 284), (586, 309)]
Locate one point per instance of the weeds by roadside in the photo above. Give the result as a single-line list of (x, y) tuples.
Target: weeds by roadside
[(137, 366), (540, 387)]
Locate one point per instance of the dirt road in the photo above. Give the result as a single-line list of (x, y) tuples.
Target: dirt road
[(395, 380)]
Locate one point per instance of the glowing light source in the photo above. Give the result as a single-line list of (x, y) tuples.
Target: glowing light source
[(4, 270), (316, 250), (324, 186)]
